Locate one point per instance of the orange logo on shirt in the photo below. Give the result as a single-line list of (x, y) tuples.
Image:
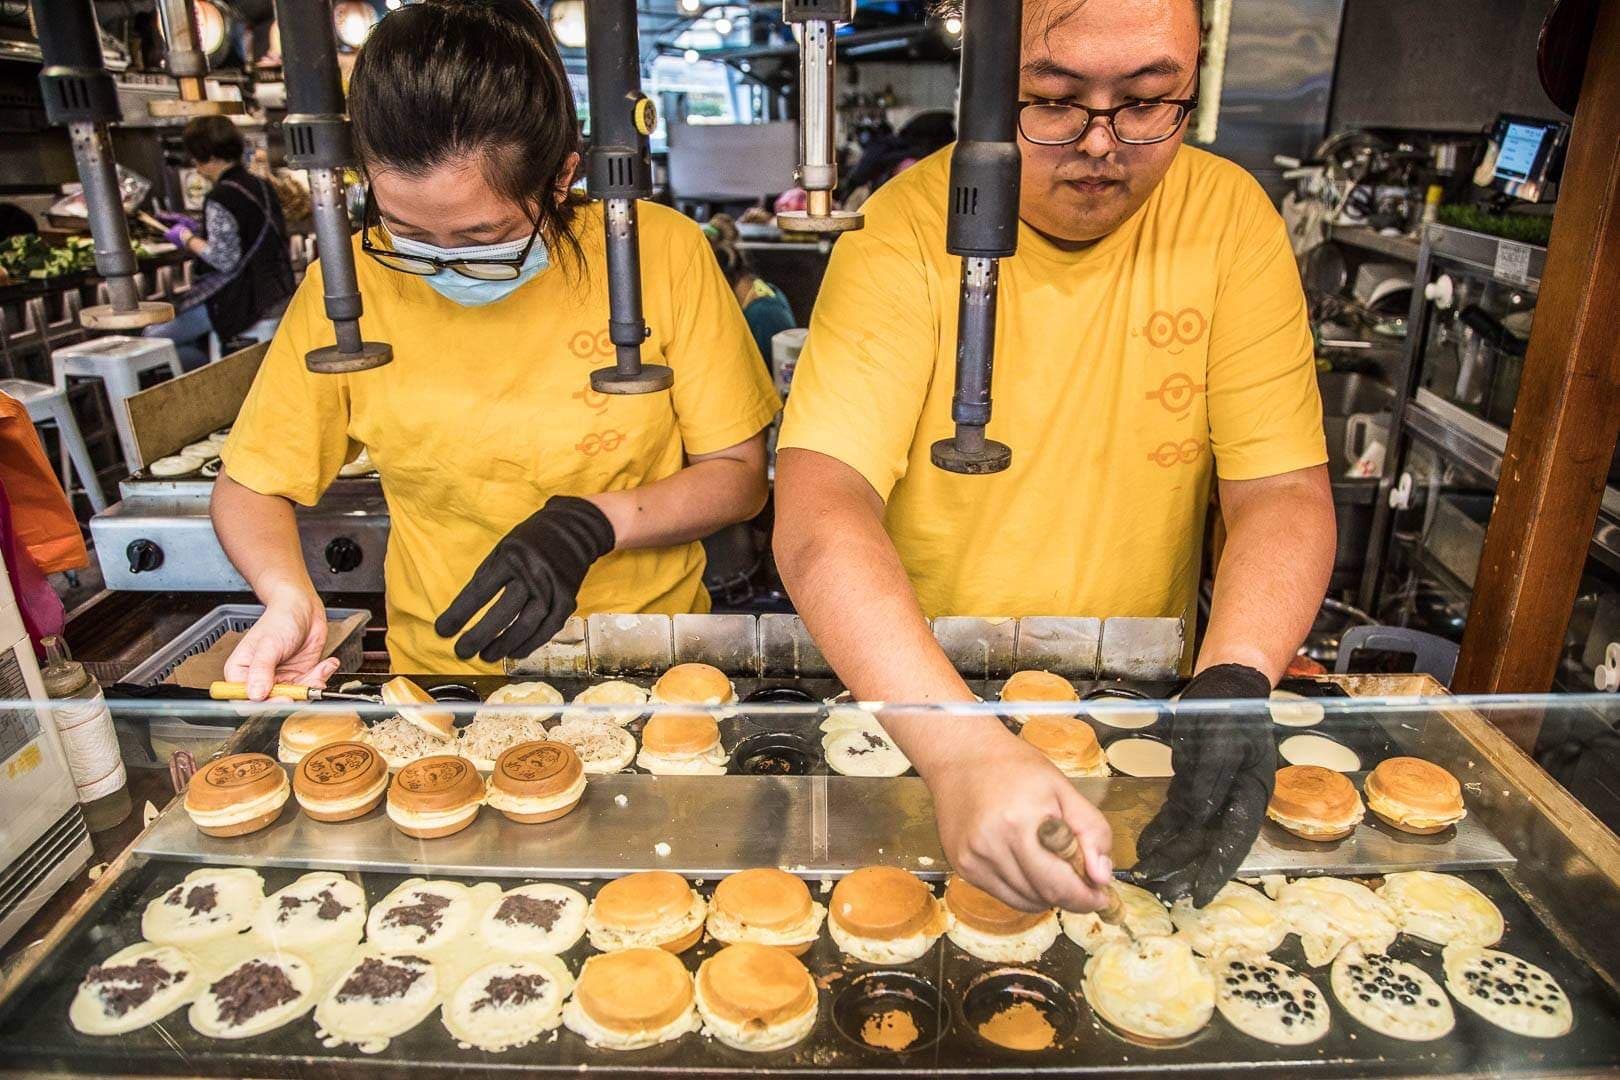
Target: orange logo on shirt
[(1177, 392), (1168, 454), (598, 442), (591, 399), (585, 344), (1173, 332)]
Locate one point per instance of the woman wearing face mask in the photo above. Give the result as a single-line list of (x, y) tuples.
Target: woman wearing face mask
[(510, 482)]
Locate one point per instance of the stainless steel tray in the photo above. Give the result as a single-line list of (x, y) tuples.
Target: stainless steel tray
[(817, 826), (35, 1035)]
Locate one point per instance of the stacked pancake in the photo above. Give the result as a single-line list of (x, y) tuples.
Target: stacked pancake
[(1315, 803), (694, 684), (306, 729), (632, 998), (237, 795), (535, 782), (1414, 795), (339, 781), (1070, 744), (755, 997), (765, 906), (676, 744), (1036, 686), (884, 915), (435, 796), (988, 929), (652, 909)]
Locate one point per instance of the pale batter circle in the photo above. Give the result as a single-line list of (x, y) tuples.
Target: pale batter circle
[(1318, 750), (1270, 1001), (1140, 757), (1511, 993), (1289, 709), (1391, 996)]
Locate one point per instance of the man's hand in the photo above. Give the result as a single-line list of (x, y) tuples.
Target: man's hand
[(284, 646), (536, 570), (989, 807), (1225, 769)]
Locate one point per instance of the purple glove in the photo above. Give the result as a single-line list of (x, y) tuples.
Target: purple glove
[(178, 224), (178, 219)]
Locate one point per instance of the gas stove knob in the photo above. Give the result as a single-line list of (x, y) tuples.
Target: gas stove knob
[(144, 556), (344, 556)]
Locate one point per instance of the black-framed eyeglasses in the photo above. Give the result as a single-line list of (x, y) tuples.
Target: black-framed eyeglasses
[(426, 266), (1135, 123)]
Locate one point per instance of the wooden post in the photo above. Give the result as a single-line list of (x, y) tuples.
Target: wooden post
[(1568, 415)]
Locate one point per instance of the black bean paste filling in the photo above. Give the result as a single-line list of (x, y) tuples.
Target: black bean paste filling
[(251, 989)]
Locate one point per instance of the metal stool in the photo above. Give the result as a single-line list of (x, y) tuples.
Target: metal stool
[(119, 362), (48, 404)]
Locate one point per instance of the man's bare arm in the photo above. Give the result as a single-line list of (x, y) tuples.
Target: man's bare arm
[(1274, 570), (991, 790), (849, 587)]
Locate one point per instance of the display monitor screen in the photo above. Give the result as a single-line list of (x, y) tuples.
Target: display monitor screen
[(1527, 151)]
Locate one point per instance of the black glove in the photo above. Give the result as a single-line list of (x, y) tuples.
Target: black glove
[(536, 569), (1225, 769)]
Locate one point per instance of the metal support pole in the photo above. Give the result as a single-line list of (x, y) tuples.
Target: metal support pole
[(620, 173), (187, 65), (983, 223), (318, 139), (80, 96), (818, 21)]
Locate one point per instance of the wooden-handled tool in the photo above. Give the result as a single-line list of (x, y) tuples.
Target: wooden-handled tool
[(1056, 837), (235, 691)]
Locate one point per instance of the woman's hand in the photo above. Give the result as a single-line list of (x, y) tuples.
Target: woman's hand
[(533, 576), (989, 806), (284, 646)]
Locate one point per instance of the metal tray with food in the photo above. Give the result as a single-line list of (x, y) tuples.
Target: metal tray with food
[(949, 1002)]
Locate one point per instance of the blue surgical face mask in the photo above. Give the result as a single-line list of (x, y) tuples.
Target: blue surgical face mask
[(471, 292)]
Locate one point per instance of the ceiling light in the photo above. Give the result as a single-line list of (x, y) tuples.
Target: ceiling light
[(568, 23), (691, 56), (953, 26), (691, 7)]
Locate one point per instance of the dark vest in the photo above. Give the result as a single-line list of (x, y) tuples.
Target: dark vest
[(261, 283)]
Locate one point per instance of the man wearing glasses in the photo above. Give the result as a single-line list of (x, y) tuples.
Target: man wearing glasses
[(1152, 338)]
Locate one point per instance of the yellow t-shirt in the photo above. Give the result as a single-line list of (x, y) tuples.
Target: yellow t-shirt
[(487, 411), (1124, 373)]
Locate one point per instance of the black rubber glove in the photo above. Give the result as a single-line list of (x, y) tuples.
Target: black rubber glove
[(536, 569), (1225, 769)]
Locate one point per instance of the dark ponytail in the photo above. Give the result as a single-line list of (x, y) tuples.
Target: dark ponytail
[(446, 79)]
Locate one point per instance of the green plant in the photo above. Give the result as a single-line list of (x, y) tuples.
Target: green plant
[(1520, 227)]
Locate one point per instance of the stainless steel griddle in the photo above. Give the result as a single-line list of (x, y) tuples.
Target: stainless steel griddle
[(1555, 874)]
